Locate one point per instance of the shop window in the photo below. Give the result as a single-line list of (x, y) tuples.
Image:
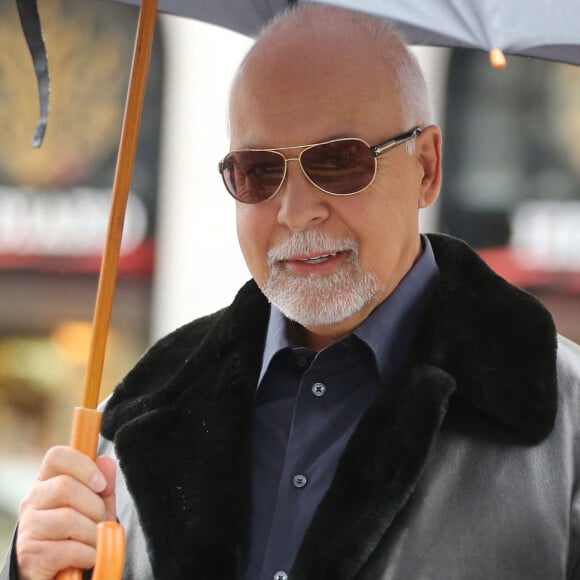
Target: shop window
[(512, 172), (54, 205)]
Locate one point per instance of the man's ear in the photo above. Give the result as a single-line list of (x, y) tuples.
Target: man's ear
[(428, 154)]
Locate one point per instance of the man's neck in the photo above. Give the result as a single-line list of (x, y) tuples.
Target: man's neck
[(319, 337)]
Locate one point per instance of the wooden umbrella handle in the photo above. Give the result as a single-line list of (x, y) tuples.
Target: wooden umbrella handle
[(110, 535), (120, 194), (110, 555), (86, 422), (110, 551)]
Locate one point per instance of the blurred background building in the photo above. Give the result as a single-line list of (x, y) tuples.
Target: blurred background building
[(511, 189)]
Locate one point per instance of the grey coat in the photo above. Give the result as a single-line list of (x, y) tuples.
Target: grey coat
[(465, 468)]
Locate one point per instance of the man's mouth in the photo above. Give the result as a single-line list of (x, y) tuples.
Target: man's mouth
[(312, 253), (322, 263), (319, 259)]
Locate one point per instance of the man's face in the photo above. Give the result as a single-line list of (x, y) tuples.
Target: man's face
[(326, 261)]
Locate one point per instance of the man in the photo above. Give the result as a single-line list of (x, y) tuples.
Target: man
[(399, 412)]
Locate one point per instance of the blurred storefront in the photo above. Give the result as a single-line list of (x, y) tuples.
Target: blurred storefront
[(54, 205), (512, 173)]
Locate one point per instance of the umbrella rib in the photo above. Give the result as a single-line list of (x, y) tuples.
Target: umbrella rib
[(30, 20)]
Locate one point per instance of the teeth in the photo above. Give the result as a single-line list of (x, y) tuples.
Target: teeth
[(319, 259)]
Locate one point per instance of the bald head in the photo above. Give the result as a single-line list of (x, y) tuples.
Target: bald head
[(320, 45)]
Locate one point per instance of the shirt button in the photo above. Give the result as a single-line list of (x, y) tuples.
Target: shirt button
[(299, 480), (281, 575), (302, 361), (318, 389)]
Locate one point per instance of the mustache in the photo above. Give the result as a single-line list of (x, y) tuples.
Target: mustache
[(310, 242)]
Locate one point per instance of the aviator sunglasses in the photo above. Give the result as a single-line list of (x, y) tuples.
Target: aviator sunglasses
[(338, 167)]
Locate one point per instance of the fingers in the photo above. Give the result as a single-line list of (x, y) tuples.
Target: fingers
[(108, 468), (52, 538), (63, 491), (58, 524), (64, 460), (36, 562), (58, 517)]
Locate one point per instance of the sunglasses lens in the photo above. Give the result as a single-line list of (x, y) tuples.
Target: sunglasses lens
[(341, 167), (253, 176)]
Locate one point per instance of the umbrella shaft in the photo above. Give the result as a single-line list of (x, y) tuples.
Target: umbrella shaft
[(121, 186)]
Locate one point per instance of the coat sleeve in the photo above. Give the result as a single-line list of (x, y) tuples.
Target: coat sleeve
[(136, 555), (8, 570), (569, 391)]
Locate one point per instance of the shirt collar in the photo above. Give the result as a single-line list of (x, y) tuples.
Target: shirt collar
[(277, 338), (390, 328), (393, 325)]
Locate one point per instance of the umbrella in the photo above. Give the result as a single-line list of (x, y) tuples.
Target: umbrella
[(529, 27), (537, 28)]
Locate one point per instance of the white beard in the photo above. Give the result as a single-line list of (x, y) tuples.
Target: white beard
[(319, 299)]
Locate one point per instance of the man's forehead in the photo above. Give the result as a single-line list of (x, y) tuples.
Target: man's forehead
[(312, 84), (270, 111), (305, 116), (285, 77)]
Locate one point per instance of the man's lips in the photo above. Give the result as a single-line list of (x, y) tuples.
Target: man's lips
[(319, 262), (315, 259)]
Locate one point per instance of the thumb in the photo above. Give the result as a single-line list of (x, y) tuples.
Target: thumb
[(108, 468)]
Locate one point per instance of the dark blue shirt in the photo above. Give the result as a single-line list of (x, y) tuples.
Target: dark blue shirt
[(307, 406)]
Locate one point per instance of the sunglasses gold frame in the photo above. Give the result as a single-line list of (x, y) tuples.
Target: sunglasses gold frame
[(375, 150)]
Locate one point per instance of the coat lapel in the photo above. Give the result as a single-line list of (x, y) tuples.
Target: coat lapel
[(497, 342), (376, 475), (183, 441)]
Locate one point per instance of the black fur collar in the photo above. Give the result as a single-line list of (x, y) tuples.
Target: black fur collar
[(495, 340), (181, 421)]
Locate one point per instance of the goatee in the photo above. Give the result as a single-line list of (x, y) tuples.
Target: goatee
[(319, 299)]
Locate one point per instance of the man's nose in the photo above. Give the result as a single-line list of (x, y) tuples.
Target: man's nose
[(302, 204)]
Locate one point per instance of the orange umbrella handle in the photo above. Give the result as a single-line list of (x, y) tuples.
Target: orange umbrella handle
[(110, 551), (110, 555), (110, 535)]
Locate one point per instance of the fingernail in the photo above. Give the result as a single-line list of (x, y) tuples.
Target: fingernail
[(98, 483)]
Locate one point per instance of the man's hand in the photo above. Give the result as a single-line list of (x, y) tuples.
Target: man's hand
[(58, 517)]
